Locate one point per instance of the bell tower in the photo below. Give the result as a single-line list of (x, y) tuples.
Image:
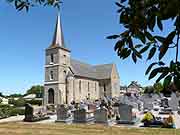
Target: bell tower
[(57, 63)]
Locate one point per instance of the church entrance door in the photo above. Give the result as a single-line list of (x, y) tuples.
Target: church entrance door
[(51, 96)]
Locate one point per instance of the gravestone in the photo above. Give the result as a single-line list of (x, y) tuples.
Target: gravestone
[(28, 112), (63, 114), (30, 117), (126, 115), (101, 115), (83, 116), (147, 102), (173, 102), (164, 103)]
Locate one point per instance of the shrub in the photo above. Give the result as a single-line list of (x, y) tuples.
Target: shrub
[(34, 102), (11, 101), (20, 102), (4, 110), (7, 111), (16, 111)]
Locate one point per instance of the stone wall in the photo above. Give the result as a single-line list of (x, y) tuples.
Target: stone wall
[(84, 91), (115, 82), (105, 88)]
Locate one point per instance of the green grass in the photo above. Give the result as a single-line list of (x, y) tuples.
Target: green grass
[(78, 129)]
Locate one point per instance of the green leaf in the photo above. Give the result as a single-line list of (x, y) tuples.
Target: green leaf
[(159, 23), (150, 67), (123, 1), (123, 52), (130, 43), (151, 53), (160, 63), (137, 53), (172, 66), (140, 35), (138, 46), (167, 81), (118, 4), (125, 34), (119, 45), (152, 22), (165, 45), (159, 38), (113, 37), (164, 74), (163, 50), (119, 10), (177, 82), (144, 49), (134, 57), (154, 73), (124, 18), (127, 54), (171, 36), (149, 36)]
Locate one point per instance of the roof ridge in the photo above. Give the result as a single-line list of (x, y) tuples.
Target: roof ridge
[(82, 62), (104, 64)]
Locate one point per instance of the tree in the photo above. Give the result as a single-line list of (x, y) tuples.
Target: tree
[(15, 95), (20, 102), (26, 4), (37, 89), (158, 87), (149, 89), (1, 95), (139, 19), (1, 100)]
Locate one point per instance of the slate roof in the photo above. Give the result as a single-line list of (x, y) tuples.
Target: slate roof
[(134, 84), (91, 71)]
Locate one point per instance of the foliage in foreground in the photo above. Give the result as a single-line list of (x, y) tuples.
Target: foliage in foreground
[(21, 102), (139, 19), (26, 4), (7, 111), (36, 89)]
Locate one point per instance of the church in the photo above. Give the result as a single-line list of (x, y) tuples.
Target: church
[(68, 79)]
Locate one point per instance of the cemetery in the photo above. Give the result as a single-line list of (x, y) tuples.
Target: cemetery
[(83, 98), (155, 111)]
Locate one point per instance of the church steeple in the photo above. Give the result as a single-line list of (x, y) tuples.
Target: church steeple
[(58, 38)]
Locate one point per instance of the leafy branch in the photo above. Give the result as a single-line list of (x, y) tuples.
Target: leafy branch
[(26, 4), (139, 18)]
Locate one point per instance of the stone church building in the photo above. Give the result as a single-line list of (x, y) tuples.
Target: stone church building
[(68, 80)]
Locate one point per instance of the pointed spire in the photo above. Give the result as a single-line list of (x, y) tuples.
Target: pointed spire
[(58, 39)]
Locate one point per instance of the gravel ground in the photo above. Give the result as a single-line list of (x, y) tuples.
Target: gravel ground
[(13, 119)]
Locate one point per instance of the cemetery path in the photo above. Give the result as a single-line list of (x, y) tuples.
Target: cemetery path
[(13, 119)]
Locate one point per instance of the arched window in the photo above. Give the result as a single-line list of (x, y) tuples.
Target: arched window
[(52, 58), (50, 96), (64, 75), (105, 90), (80, 86), (104, 87), (95, 87), (64, 61), (88, 86), (51, 75)]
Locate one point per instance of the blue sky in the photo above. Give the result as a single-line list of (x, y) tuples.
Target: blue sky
[(25, 36)]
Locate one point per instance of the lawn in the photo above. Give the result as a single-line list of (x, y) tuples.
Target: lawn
[(77, 129)]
